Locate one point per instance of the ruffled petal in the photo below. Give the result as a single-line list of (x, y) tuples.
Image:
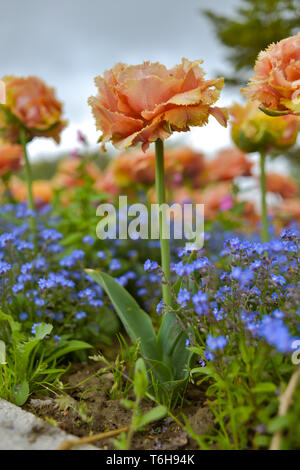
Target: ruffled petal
[(220, 114), (145, 70), (292, 105), (201, 95), (145, 93), (148, 134), (184, 116), (108, 97), (113, 124)]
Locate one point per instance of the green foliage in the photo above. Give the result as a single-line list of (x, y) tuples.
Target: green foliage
[(168, 357), (29, 363), (139, 420), (122, 368), (255, 25), (245, 407)]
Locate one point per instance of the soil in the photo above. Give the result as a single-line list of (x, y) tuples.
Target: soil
[(87, 409)]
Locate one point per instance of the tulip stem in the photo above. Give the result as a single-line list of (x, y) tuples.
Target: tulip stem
[(163, 235), (264, 214), (23, 139)]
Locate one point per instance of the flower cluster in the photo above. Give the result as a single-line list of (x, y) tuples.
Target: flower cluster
[(250, 293), (43, 280)]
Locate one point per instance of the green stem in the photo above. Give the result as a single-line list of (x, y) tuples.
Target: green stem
[(161, 199), (264, 214)]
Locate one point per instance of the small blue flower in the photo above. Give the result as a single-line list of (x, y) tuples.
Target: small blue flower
[(50, 234), (88, 240), (278, 314), (40, 263), (202, 363), (278, 279), (130, 275), (70, 260), (101, 255), (54, 248), (183, 297), (200, 303), (6, 238), (256, 264), (26, 268), (23, 316), (18, 287), (208, 355), (33, 328), (115, 265), (182, 269), (217, 342), (39, 302), (150, 265), (4, 267), (132, 253), (160, 307), (122, 280), (80, 315), (22, 211), (23, 245), (276, 333), (86, 294), (141, 292), (96, 302), (46, 283)]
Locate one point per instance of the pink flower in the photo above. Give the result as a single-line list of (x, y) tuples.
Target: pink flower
[(81, 137), (212, 197), (226, 203), (146, 102), (276, 83)]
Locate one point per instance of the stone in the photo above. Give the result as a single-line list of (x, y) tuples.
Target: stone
[(21, 430)]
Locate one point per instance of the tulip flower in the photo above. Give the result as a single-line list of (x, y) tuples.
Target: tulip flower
[(254, 131), (143, 104), (146, 103), (30, 110), (276, 83)]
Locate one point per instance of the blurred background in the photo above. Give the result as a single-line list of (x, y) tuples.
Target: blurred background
[(69, 42)]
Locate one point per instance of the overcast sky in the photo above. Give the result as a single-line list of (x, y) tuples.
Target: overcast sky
[(69, 42)]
